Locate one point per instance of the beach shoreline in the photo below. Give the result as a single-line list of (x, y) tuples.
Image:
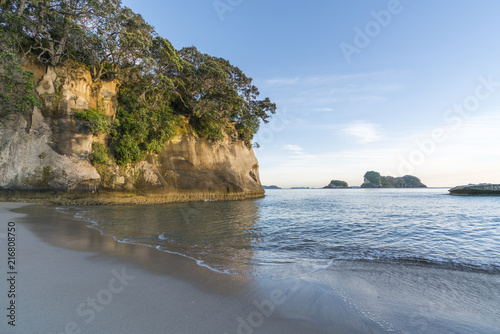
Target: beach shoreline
[(72, 279), (103, 197)]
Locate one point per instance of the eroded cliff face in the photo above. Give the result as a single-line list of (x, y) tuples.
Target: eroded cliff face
[(48, 151)]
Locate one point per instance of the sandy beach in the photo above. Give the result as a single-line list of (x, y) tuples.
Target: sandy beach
[(71, 279)]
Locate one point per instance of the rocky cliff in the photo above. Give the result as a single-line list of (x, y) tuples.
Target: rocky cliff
[(374, 180), (46, 153)]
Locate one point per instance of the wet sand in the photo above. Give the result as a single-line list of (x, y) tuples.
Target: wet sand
[(71, 279)]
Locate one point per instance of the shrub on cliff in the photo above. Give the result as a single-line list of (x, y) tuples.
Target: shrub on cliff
[(17, 86), (99, 154), (145, 122), (93, 121)]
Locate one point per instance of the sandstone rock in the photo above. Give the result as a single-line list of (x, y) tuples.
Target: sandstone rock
[(48, 152)]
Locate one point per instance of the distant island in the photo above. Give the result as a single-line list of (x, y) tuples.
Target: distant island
[(300, 188), (271, 187), (483, 189), (335, 184), (374, 180)]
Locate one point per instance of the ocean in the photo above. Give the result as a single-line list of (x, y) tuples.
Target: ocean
[(413, 260)]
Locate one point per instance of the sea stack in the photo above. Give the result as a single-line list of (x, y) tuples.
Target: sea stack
[(374, 180)]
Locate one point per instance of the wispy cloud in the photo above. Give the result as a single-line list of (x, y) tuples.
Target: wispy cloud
[(323, 109), (331, 92), (281, 81), (363, 132), (298, 156), (294, 148), (468, 155)]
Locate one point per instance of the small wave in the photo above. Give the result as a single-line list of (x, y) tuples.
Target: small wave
[(322, 267), (483, 267)]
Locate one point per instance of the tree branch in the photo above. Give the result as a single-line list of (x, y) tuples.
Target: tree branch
[(21, 8)]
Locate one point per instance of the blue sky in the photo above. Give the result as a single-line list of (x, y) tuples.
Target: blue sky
[(400, 87)]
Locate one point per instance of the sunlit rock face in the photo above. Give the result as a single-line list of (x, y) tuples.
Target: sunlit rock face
[(48, 151)]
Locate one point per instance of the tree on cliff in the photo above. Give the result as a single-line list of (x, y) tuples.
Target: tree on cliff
[(219, 92), (120, 41), (17, 86), (157, 82), (50, 29)]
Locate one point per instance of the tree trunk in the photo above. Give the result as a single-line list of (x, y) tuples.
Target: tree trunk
[(21, 8)]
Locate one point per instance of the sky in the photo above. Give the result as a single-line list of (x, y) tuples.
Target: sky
[(399, 87)]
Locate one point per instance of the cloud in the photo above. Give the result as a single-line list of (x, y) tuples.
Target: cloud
[(332, 92), (281, 81), (323, 109), (363, 132), (298, 156), (294, 148)]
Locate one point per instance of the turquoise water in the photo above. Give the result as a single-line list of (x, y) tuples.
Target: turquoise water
[(292, 232)]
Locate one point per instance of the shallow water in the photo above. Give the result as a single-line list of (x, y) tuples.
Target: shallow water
[(293, 232), (412, 260)]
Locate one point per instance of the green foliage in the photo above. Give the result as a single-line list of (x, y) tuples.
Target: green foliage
[(56, 30), (374, 180), (141, 132), (145, 124), (211, 87), (99, 154), (412, 181), (17, 87), (120, 42), (373, 177), (157, 82), (208, 128), (337, 184), (93, 121), (247, 128)]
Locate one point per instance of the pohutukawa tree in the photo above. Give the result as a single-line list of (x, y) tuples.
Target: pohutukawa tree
[(157, 82)]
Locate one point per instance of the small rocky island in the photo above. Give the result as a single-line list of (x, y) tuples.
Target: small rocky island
[(483, 189), (336, 184), (374, 180), (271, 187)]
